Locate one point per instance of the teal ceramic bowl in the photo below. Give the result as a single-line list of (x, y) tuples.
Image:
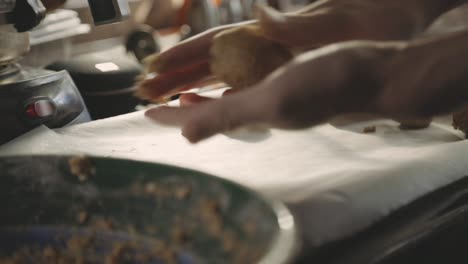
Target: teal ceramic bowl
[(102, 210)]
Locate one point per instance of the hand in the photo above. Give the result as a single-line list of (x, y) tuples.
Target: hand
[(328, 21), (314, 87)]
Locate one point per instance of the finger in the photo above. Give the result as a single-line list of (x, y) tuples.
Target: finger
[(189, 99), (309, 30), (223, 115), (170, 116), (201, 121), (172, 82)]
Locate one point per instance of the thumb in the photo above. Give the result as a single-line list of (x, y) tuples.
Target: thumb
[(206, 119)]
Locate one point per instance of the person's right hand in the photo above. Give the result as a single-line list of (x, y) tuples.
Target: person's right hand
[(328, 21)]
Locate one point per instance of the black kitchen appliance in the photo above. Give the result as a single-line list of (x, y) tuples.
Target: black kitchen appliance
[(105, 79), (30, 97)]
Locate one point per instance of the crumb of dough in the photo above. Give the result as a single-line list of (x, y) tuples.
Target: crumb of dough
[(82, 168), (460, 120), (242, 57), (369, 129), (413, 124)]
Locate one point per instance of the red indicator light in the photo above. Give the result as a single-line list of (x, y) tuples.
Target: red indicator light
[(40, 109), (31, 112)]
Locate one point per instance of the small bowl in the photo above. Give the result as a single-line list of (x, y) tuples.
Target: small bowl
[(136, 212)]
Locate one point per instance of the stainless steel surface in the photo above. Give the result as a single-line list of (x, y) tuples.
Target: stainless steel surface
[(23, 75), (13, 45), (9, 72)]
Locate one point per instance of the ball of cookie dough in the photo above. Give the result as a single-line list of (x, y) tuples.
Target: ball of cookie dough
[(242, 57)]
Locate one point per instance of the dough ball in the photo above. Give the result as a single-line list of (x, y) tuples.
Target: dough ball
[(242, 57)]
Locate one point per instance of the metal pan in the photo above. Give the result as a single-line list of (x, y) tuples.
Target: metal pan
[(135, 212)]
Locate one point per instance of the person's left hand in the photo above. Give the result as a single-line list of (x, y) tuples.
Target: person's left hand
[(314, 87)]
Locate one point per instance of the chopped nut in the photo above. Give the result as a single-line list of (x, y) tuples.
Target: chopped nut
[(369, 129), (83, 217), (182, 192), (82, 168)]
